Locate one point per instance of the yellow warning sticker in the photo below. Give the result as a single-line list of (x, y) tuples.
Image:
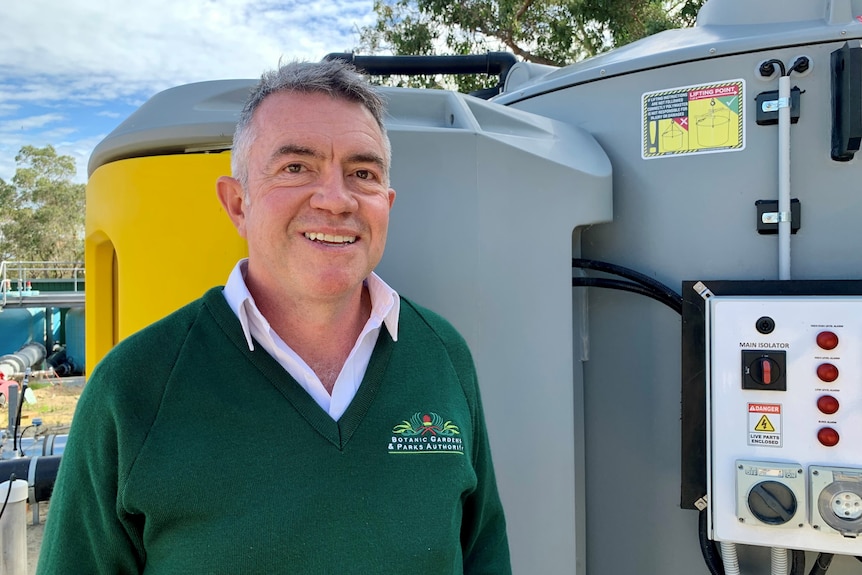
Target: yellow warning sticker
[(698, 119), (764, 424)]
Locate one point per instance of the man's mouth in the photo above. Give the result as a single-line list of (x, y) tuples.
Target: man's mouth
[(330, 239)]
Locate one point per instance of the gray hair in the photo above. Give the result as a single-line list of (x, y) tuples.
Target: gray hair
[(336, 78)]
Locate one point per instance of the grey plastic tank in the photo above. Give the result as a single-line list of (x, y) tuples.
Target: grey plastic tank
[(687, 211)]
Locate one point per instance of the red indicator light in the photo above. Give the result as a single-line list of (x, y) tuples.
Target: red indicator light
[(827, 340), (827, 372), (828, 436), (827, 404)]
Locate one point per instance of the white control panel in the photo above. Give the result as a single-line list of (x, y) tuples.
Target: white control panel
[(784, 433)]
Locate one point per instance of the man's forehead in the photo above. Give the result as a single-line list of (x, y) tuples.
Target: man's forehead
[(316, 113), (311, 104)]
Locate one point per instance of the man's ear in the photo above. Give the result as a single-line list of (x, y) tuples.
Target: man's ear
[(232, 198)]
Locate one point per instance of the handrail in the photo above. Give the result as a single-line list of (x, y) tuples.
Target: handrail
[(23, 272)]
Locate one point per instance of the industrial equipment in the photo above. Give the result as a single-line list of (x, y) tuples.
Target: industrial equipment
[(692, 404)]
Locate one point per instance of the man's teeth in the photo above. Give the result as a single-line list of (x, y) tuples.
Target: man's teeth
[(317, 236)]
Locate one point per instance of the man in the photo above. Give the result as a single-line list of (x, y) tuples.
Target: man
[(304, 419)]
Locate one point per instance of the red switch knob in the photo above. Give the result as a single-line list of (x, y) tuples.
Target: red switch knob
[(766, 370), (828, 436), (827, 404), (827, 340), (827, 372)]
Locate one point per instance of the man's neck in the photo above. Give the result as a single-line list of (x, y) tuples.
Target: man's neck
[(322, 333)]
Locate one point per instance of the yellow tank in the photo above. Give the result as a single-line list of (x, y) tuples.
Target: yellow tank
[(156, 234), (156, 238)]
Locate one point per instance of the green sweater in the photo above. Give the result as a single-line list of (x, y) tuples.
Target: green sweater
[(191, 454)]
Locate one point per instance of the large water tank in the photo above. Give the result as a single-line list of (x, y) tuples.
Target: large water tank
[(75, 339), (19, 326)]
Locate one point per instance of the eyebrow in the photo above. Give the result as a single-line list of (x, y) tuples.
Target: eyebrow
[(299, 150), (368, 158), (294, 150)]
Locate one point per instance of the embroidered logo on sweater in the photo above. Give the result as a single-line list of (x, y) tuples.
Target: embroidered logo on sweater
[(426, 433)]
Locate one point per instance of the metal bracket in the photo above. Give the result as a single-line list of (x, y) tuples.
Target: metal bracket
[(702, 290), (768, 104), (768, 216), (775, 105)]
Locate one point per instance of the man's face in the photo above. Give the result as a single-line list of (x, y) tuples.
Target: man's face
[(318, 198)]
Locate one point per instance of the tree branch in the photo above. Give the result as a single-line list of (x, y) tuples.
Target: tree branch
[(523, 10)]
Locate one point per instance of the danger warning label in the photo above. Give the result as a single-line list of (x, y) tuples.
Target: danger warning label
[(764, 424)]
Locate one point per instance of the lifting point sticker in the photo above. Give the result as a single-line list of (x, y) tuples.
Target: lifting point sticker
[(697, 119)]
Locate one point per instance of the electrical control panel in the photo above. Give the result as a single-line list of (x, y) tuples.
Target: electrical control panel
[(784, 429)]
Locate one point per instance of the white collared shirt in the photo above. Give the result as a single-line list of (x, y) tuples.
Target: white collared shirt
[(385, 307)]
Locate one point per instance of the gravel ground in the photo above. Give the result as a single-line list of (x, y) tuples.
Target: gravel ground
[(34, 536)]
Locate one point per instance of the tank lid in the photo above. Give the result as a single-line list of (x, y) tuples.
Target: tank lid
[(17, 490), (741, 12), (189, 118)]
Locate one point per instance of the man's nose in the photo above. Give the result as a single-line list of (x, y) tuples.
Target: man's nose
[(333, 194)]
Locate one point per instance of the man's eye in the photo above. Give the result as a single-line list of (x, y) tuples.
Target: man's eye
[(293, 168), (363, 174)]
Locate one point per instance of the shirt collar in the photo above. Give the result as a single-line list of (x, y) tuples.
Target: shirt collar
[(385, 303)]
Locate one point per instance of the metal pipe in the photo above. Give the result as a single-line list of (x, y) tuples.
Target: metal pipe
[(28, 355), (40, 471)]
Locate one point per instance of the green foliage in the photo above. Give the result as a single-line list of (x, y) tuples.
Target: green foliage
[(42, 210), (552, 32), (406, 28)]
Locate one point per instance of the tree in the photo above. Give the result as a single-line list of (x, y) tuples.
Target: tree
[(552, 32), (42, 210)]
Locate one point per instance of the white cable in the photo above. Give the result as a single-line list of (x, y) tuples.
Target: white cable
[(729, 558), (779, 561), (784, 177)]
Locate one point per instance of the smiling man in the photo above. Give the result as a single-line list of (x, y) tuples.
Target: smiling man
[(344, 428)]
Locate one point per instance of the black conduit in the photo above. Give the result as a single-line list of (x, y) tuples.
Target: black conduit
[(708, 547), (821, 564), (493, 63), (639, 283), (40, 473), (797, 562)]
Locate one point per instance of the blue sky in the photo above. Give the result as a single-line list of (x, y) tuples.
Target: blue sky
[(72, 70)]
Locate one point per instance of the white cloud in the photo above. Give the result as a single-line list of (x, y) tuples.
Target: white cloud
[(28, 123), (7, 109), (110, 55), (108, 48)]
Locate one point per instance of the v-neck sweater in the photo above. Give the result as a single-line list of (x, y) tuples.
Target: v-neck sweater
[(189, 453)]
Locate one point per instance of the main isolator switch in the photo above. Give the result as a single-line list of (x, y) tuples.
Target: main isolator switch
[(765, 370)]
